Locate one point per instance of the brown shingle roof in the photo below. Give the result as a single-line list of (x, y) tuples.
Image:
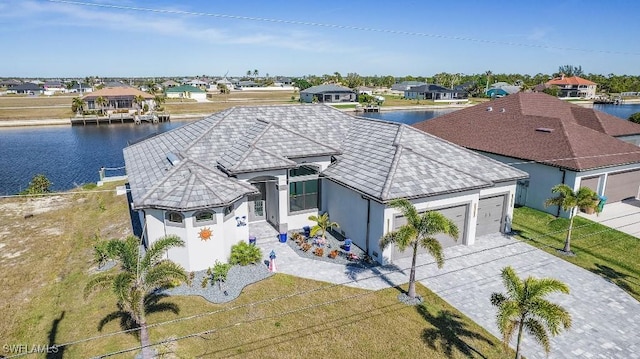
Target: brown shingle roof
[(118, 92), (541, 128)]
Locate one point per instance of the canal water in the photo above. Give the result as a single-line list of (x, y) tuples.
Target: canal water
[(72, 155)]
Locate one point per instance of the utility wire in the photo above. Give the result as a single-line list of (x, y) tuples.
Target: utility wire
[(335, 26)]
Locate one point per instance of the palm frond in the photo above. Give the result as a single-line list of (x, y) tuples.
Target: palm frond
[(159, 248), (541, 287), (536, 329), (554, 316), (98, 282), (434, 248), (408, 210), (122, 283), (512, 283), (165, 274)]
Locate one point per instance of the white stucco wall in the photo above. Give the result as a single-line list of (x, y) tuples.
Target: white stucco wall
[(348, 209)]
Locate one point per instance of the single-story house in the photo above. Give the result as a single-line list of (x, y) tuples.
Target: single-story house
[(364, 90), (281, 164), (118, 98), (246, 84), (433, 92), (169, 83), (196, 83), (553, 141), (573, 87), (403, 86), (501, 89), (28, 88), (80, 88), (186, 91), (328, 93), (10, 83)]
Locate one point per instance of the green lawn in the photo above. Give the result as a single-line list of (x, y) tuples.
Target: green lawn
[(46, 263), (599, 249)]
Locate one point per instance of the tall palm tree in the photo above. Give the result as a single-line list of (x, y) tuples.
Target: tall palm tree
[(138, 100), (102, 102), (255, 73), (420, 230), (139, 278), (488, 74), (570, 200), (78, 104), (322, 224), (524, 307)]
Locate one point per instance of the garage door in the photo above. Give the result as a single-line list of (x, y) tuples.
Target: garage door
[(622, 185), (457, 214), (489, 215), (590, 182)]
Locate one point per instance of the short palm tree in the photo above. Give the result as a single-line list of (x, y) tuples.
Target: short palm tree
[(570, 200), (524, 307), (139, 278), (420, 230), (102, 102), (138, 100), (322, 224), (77, 104)]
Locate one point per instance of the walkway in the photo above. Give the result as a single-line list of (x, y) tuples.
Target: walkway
[(606, 320), (623, 216)]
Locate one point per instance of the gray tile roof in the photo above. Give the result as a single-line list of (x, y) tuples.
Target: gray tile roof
[(326, 88), (381, 159)]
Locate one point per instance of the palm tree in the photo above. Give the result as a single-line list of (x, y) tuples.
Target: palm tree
[(139, 280), (77, 104), (102, 102), (255, 73), (420, 230), (570, 201), (322, 224), (138, 100), (524, 307), (248, 73), (488, 74), (159, 99)]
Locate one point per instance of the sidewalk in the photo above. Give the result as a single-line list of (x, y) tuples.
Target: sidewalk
[(623, 216)]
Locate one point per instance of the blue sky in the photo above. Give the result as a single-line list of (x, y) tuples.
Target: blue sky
[(49, 38)]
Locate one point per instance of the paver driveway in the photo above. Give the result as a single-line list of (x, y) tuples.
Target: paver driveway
[(606, 320)]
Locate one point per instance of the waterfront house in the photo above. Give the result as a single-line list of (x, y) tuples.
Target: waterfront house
[(169, 83), (573, 87), (553, 141), (401, 87), (280, 164), (186, 91), (434, 92), (327, 93), (10, 83), (119, 99)]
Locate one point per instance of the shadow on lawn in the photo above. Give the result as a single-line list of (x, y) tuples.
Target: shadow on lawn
[(152, 304), (360, 272), (449, 333), (620, 279), (52, 351)]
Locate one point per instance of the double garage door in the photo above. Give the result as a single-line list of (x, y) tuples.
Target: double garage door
[(619, 185), (457, 214)]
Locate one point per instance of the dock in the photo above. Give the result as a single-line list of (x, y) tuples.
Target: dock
[(367, 108), (155, 117)]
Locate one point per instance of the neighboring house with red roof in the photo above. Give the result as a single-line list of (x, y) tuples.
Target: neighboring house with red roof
[(119, 98), (552, 140), (573, 87)]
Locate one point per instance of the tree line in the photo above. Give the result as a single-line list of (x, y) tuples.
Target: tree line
[(475, 83)]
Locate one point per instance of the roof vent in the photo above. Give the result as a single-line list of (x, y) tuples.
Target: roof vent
[(489, 108), (502, 110), (173, 159), (544, 129)]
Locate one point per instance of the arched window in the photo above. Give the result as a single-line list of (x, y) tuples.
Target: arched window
[(204, 217), (174, 218)]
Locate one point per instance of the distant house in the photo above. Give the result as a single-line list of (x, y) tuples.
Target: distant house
[(364, 90), (118, 98), (283, 81), (246, 84), (328, 93), (250, 166), (401, 87), (573, 87), (10, 83), (196, 83), (501, 89), (169, 83), (26, 88), (433, 92), (186, 91), (553, 141), (80, 88)]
